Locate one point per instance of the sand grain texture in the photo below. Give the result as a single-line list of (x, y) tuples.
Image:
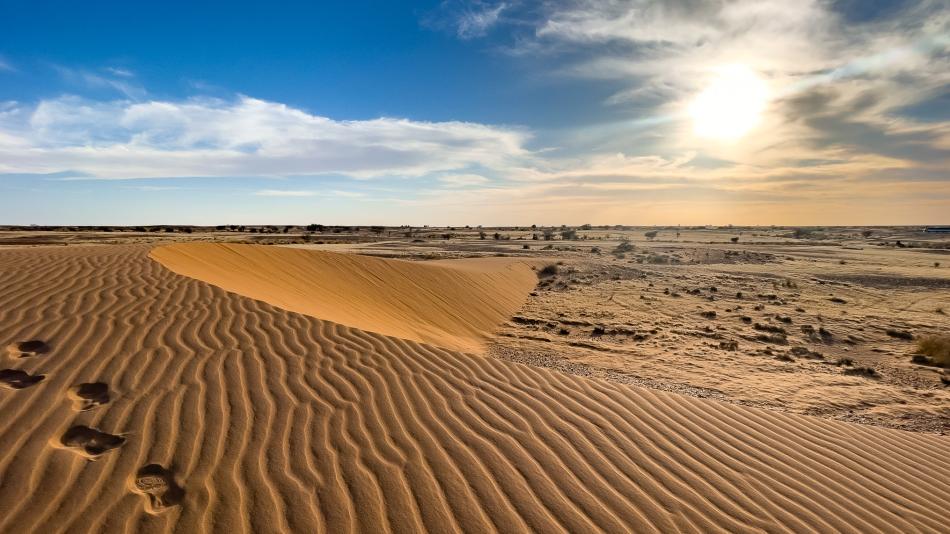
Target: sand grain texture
[(240, 416)]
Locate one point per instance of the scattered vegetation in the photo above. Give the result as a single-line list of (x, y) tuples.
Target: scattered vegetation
[(624, 246), (769, 328), (936, 350), (548, 271), (865, 371), (899, 334), (729, 345)]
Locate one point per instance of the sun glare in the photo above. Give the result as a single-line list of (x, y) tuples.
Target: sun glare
[(731, 106)]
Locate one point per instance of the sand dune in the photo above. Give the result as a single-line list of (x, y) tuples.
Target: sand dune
[(230, 414), (450, 304)]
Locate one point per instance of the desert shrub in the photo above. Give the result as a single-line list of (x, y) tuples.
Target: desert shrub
[(935, 347), (772, 338), (624, 246), (869, 372), (802, 233), (844, 361), (569, 234), (734, 239), (526, 247), (651, 234), (899, 334), (548, 270), (769, 328)]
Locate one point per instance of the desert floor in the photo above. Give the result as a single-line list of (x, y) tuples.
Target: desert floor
[(164, 386)]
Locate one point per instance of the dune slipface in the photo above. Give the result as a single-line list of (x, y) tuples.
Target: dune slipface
[(450, 304), (227, 413)]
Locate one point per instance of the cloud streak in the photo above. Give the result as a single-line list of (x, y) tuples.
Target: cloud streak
[(284, 193), (241, 137)]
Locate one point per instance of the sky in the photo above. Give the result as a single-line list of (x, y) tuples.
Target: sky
[(640, 112)]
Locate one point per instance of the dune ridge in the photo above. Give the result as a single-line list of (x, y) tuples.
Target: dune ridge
[(239, 416), (453, 304)]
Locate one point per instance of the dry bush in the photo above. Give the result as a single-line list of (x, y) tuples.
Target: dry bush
[(937, 348), (899, 334), (864, 371)]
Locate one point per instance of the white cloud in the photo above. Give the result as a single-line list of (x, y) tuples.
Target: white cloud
[(836, 84), (120, 72), (119, 81), (463, 180), (284, 193), (6, 65), (477, 20), (242, 137)]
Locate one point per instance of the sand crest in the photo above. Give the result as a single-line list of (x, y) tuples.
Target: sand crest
[(451, 304)]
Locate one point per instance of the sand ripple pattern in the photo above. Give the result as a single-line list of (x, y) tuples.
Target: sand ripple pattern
[(241, 417)]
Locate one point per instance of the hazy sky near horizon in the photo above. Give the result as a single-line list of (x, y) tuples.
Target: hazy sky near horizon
[(476, 112)]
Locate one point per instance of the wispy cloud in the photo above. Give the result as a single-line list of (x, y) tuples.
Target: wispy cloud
[(464, 180), (666, 51), (120, 72), (154, 188), (5, 65), (240, 137), (466, 19), (477, 20), (284, 193), (114, 79)]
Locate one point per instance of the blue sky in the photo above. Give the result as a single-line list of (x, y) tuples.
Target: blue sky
[(475, 112)]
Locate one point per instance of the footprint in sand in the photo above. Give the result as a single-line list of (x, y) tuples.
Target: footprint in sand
[(16, 379), (89, 395), (25, 349), (90, 441), (159, 485)]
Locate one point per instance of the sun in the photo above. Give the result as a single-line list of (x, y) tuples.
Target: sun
[(731, 106)]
